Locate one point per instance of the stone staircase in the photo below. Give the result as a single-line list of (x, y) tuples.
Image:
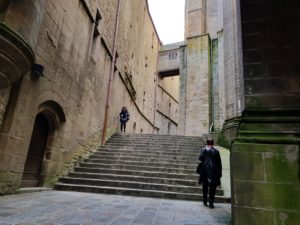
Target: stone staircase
[(146, 165)]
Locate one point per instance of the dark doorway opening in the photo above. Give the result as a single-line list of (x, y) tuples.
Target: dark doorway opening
[(36, 152)]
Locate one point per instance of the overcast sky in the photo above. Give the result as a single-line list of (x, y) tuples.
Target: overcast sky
[(168, 17)]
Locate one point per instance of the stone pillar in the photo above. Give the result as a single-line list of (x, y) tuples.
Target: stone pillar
[(233, 84), (265, 158), (194, 18), (194, 120), (182, 92)]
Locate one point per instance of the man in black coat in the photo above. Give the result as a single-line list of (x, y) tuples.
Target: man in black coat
[(211, 172)]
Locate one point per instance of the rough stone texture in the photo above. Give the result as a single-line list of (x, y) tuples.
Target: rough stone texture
[(265, 167), (214, 90), (77, 66), (167, 95), (232, 60), (271, 65), (194, 120), (195, 18), (269, 129), (169, 57), (212, 17), (167, 105), (221, 77), (16, 56), (4, 96), (208, 21), (138, 46), (170, 85), (26, 21)]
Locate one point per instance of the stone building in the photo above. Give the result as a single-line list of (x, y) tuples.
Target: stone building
[(66, 69), (241, 62)]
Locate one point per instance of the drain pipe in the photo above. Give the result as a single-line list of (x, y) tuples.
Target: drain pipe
[(112, 70)]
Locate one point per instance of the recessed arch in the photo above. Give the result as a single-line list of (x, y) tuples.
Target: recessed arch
[(54, 112)]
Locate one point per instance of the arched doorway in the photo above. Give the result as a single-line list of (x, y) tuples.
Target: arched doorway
[(49, 118), (36, 152)]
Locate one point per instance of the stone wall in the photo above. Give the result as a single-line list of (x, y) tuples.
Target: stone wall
[(169, 57), (265, 155), (74, 45), (170, 85), (212, 18), (232, 61), (167, 105), (195, 22), (137, 47), (26, 21), (195, 98)]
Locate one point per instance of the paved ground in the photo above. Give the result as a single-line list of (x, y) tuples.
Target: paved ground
[(75, 208)]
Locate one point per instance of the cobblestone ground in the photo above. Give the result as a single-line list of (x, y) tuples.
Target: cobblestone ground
[(75, 208)]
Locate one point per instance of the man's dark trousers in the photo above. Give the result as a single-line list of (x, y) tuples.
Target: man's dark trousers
[(212, 192)]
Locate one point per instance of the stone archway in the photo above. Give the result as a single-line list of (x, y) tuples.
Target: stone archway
[(48, 119)]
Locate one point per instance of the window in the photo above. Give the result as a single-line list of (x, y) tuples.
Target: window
[(172, 55)]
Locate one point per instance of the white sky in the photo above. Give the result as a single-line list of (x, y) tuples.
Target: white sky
[(168, 17)]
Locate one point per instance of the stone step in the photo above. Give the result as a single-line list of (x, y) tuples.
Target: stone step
[(156, 136), (153, 151), (141, 168), (133, 185), (149, 174), (149, 146), (141, 163), (143, 179), (162, 156), (168, 159), (136, 192), (153, 145), (149, 141)]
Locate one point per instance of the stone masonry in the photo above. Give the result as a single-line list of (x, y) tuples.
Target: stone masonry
[(73, 41)]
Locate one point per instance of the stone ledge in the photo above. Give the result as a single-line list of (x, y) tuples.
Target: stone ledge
[(34, 189)]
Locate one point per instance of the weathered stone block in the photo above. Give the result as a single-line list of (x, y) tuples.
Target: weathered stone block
[(255, 147), (282, 168), (266, 195), (248, 216), (247, 166), (287, 217)]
